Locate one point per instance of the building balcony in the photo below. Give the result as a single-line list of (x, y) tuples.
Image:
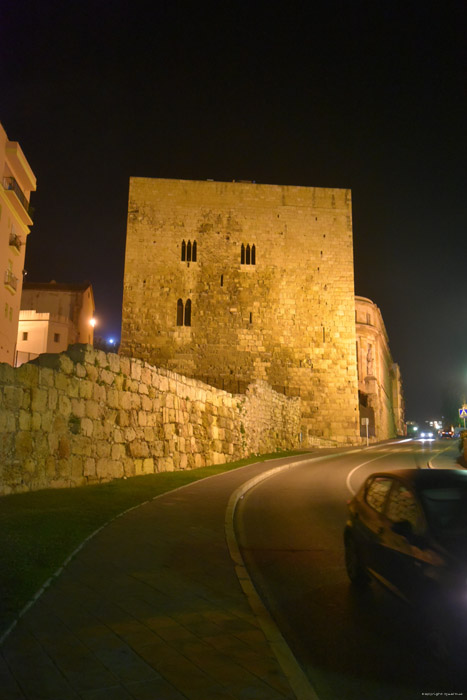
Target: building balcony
[(15, 242), (11, 282), (17, 199)]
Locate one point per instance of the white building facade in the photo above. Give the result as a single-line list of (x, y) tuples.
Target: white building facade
[(17, 181), (54, 316)]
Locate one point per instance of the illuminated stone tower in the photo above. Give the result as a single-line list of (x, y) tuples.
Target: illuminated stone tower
[(230, 282)]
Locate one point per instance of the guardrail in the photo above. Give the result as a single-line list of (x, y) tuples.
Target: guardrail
[(10, 183)]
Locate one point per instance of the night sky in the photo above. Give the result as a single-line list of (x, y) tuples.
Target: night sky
[(363, 95)]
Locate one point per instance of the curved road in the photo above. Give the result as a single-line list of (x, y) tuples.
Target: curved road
[(290, 530)]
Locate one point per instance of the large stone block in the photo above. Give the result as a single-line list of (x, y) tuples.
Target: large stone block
[(12, 397), (23, 444)]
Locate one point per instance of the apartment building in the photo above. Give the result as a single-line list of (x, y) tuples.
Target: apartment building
[(17, 181), (380, 392)]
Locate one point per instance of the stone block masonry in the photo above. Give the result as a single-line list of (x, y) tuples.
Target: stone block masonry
[(86, 416), (230, 283)]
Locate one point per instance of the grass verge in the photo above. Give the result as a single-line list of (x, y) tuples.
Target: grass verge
[(40, 529)]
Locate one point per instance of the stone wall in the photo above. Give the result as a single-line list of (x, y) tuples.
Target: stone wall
[(85, 416), (284, 315)]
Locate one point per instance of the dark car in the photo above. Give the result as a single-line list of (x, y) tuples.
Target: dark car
[(447, 433), (408, 530)]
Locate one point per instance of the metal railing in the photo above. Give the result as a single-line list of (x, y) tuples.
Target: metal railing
[(15, 241), (22, 357), (9, 183), (11, 280)]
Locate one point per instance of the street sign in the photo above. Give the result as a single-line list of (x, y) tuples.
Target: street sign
[(463, 412), (366, 421)]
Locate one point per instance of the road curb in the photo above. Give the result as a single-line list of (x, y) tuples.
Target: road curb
[(294, 673)]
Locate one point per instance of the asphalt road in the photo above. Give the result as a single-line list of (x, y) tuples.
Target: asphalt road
[(350, 645)]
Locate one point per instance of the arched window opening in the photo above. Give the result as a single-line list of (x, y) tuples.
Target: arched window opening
[(248, 254), (183, 251), (179, 312), (188, 312), (188, 252), (193, 252)]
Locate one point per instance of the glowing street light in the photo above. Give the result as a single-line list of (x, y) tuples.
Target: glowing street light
[(93, 322)]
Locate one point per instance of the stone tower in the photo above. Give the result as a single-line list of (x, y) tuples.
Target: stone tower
[(230, 282)]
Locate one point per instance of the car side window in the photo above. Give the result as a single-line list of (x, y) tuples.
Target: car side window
[(376, 492), (402, 505)]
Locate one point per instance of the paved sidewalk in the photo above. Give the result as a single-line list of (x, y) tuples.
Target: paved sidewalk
[(150, 609)]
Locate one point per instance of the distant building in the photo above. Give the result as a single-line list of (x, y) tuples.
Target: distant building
[(16, 184), (379, 379), (53, 316)]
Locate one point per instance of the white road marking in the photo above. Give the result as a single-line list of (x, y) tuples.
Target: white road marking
[(358, 467)]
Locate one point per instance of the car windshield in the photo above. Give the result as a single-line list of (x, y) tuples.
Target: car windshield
[(446, 508)]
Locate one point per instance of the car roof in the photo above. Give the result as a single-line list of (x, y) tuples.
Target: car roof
[(428, 478)]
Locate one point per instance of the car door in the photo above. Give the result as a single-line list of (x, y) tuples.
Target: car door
[(369, 522), (402, 554)]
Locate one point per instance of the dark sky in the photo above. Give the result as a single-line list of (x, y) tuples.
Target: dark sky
[(365, 95)]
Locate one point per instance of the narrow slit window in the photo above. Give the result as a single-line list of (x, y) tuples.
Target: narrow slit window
[(188, 313), (222, 280), (183, 251), (193, 252), (188, 252), (179, 312), (25, 335), (251, 317), (56, 337), (248, 254)]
